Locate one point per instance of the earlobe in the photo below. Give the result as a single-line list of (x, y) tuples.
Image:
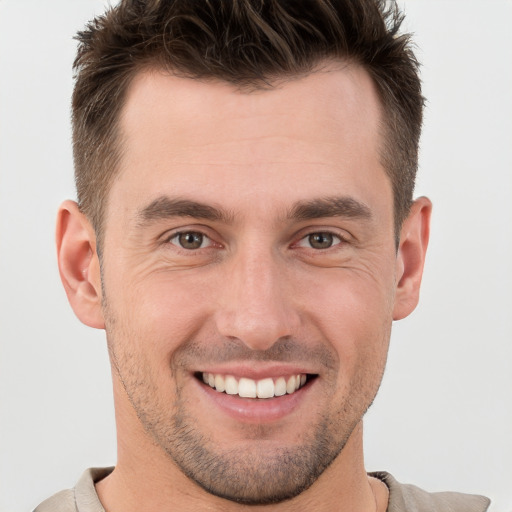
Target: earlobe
[(414, 238), (78, 264)]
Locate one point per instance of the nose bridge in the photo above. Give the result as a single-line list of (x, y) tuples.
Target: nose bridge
[(257, 307)]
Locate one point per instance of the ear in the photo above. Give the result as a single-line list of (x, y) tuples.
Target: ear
[(79, 265), (414, 237)]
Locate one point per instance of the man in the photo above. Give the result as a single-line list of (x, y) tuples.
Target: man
[(245, 234)]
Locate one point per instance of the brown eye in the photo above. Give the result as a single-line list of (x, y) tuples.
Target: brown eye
[(190, 240), (321, 240)]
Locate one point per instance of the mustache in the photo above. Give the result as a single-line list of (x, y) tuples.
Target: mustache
[(284, 350)]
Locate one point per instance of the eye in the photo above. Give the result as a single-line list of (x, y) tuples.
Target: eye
[(321, 240), (190, 240)]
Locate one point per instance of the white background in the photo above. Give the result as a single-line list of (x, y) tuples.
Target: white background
[(443, 419)]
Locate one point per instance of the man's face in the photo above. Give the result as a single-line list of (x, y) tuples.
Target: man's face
[(249, 243)]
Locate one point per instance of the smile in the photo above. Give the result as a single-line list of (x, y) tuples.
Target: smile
[(250, 388)]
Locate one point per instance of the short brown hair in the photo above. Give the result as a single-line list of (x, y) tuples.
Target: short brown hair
[(251, 44)]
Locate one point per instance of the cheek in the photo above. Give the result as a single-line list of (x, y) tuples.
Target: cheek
[(163, 310), (353, 311)]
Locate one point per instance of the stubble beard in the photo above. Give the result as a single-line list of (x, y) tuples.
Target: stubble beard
[(249, 475), (253, 475)]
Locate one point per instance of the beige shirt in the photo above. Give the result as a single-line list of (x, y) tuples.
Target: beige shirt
[(402, 497)]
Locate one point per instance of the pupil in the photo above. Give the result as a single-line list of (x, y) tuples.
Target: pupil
[(320, 240), (191, 240)]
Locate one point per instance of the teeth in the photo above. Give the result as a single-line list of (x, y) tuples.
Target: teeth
[(280, 387), (219, 383), (291, 385), (231, 385), (249, 388), (265, 388)]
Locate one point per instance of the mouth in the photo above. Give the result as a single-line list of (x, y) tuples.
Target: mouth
[(261, 389)]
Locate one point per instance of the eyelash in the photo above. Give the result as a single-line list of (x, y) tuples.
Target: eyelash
[(336, 239), (174, 239)]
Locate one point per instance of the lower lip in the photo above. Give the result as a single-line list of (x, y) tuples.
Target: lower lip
[(256, 410)]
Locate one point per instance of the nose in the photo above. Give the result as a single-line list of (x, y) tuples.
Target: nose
[(257, 303)]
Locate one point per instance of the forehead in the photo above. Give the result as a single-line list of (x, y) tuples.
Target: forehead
[(342, 98), (315, 132)]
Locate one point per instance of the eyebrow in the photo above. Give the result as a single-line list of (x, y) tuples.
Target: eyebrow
[(167, 207), (330, 207)]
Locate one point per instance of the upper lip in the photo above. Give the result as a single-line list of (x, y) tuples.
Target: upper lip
[(255, 370)]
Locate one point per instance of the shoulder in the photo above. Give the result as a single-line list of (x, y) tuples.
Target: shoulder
[(82, 498), (63, 501), (406, 497)]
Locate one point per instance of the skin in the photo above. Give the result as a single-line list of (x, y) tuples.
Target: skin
[(255, 298)]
